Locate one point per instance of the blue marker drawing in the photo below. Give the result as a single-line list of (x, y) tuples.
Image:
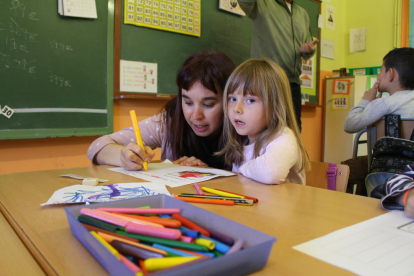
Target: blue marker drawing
[(106, 193)]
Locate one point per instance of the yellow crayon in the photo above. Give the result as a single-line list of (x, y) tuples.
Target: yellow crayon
[(138, 135), (213, 191), (207, 243), (153, 264), (107, 245)]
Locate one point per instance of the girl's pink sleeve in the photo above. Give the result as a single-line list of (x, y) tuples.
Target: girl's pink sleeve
[(274, 165)]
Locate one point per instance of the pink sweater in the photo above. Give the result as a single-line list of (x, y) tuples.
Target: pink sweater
[(278, 162)]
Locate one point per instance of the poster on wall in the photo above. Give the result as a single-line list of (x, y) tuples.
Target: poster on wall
[(330, 17), (231, 6), (327, 49), (180, 16), (341, 87), (340, 102), (306, 78), (140, 77), (357, 40)]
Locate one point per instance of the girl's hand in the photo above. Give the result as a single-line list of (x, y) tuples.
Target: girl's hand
[(190, 161), (133, 156)]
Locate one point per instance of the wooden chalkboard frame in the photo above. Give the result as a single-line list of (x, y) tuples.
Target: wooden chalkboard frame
[(108, 83)]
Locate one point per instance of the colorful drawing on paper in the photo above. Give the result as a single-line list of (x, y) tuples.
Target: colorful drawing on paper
[(82, 193), (180, 16), (175, 176), (340, 102), (341, 86)]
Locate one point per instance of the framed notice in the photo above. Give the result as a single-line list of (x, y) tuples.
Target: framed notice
[(180, 16)]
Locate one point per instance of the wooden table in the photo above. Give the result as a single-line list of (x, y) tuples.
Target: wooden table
[(292, 213), (13, 253)]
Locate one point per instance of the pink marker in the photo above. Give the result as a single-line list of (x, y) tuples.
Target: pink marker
[(130, 265), (152, 211), (165, 233), (107, 217), (199, 191)]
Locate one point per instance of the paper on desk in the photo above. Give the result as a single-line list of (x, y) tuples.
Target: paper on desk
[(380, 246), (82, 193), (175, 176)]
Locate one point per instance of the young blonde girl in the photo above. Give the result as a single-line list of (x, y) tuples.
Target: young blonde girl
[(262, 139)]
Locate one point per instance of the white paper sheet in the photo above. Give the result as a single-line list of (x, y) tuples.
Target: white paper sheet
[(327, 49), (357, 40), (380, 246), (80, 8), (138, 76), (175, 176), (83, 193)]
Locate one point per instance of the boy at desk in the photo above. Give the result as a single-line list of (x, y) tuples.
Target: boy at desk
[(396, 78)]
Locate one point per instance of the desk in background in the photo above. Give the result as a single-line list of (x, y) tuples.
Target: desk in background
[(293, 213)]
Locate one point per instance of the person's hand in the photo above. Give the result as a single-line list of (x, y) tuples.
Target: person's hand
[(190, 161), (371, 94), (409, 205), (307, 48), (133, 156)]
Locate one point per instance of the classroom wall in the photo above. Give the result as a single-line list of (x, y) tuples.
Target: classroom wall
[(56, 153)]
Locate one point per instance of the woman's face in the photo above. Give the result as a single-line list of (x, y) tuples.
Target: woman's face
[(203, 110)]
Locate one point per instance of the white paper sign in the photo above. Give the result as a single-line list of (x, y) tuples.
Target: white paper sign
[(357, 40), (330, 17), (138, 77), (327, 49)]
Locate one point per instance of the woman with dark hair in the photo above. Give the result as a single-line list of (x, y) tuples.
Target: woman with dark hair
[(191, 124)]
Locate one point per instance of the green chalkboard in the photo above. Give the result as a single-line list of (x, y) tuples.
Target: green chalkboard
[(220, 31), (55, 71)]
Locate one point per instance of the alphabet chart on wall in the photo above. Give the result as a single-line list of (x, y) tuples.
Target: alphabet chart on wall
[(180, 16)]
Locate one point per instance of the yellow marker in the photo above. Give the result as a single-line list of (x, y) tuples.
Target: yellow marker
[(138, 135), (212, 191), (153, 264), (107, 245), (207, 243)]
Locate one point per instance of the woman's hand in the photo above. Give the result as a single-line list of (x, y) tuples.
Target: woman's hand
[(190, 161), (133, 156)]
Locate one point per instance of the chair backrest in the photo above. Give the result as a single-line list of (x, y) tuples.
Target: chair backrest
[(316, 177), (377, 130)]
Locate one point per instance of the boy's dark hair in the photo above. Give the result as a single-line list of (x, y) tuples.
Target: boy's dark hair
[(210, 69), (402, 61)]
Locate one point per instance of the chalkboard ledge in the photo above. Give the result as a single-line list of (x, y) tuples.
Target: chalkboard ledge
[(142, 96)]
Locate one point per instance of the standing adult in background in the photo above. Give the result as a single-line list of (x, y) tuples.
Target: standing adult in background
[(281, 32)]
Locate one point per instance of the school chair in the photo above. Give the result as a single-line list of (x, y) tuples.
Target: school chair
[(319, 173)]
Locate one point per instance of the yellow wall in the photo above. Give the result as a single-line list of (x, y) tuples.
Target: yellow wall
[(378, 16)]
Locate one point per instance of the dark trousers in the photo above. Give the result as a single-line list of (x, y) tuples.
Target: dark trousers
[(297, 102)]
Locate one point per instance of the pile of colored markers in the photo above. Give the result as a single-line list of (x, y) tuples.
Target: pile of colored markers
[(218, 197), (151, 239)]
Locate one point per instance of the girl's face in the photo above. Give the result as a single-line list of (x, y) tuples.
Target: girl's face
[(246, 113), (203, 110)]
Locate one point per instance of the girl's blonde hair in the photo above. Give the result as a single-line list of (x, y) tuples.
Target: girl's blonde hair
[(265, 79)]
